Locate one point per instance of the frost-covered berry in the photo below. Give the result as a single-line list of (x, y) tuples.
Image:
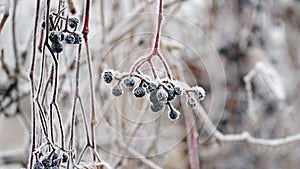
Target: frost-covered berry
[(177, 90), (38, 165), (77, 37), (70, 39), (171, 95), (54, 156), (107, 76), (65, 158), (54, 36), (73, 22), (55, 162), (57, 47), (173, 114), (139, 92), (191, 102), (161, 94), (153, 97), (199, 93), (129, 82), (117, 90), (152, 87), (155, 107), (46, 162)]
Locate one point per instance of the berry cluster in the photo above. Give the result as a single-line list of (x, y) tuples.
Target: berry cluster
[(58, 35), (51, 161), (161, 92)]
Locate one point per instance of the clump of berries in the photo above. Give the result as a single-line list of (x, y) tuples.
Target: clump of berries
[(161, 92), (51, 161), (58, 35)]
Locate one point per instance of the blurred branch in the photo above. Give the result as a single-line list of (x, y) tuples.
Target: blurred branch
[(5, 16), (245, 136)]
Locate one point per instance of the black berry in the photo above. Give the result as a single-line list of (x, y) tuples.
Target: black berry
[(171, 95), (54, 36), (108, 77), (70, 39), (46, 162), (177, 90), (38, 165), (155, 107), (65, 158), (77, 37), (117, 90), (73, 22), (57, 47), (129, 82), (173, 114), (139, 92)]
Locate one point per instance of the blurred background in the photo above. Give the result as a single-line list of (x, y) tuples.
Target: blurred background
[(244, 53)]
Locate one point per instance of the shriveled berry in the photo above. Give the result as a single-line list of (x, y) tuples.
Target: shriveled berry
[(177, 90), (57, 47), (117, 90), (54, 36), (173, 114), (155, 107), (38, 165), (65, 158), (129, 82), (139, 92), (107, 76), (70, 39), (162, 94), (73, 22), (77, 37), (191, 102), (171, 95)]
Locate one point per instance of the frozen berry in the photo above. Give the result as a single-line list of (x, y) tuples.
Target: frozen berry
[(173, 114), (70, 39), (65, 158), (129, 82), (191, 102), (107, 76), (152, 87), (177, 90), (155, 107), (162, 94), (153, 97), (46, 162), (73, 22), (77, 37), (139, 92), (171, 95), (57, 47), (38, 165), (199, 93), (54, 36), (117, 90)]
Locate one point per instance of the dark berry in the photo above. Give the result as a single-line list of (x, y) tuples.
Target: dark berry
[(55, 162), (55, 156), (177, 90), (46, 162), (43, 24), (153, 98), (171, 95), (139, 92), (173, 114), (199, 93), (129, 82), (57, 47), (38, 165), (77, 37), (108, 77), (155, 107), (117, 90), (152, 87), (73, 22), (54, 36), (70, 39), (62, 36), (65, 158)]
